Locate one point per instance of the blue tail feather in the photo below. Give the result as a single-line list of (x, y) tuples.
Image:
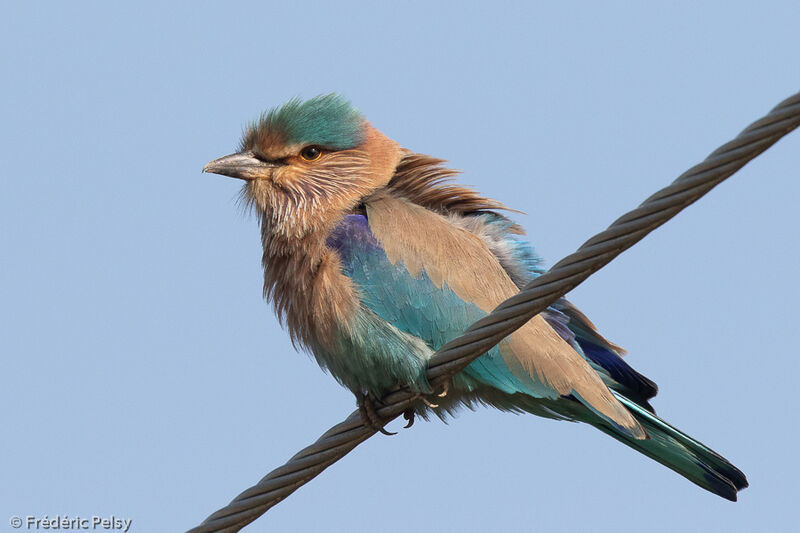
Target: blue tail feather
[(678, 451)]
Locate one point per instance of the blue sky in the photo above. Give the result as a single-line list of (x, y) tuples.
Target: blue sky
[(144, 376)]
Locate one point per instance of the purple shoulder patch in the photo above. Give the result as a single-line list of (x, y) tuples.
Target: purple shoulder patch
[(352, 231)]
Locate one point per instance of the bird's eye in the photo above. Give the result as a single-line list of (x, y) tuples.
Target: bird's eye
[(310, 153)]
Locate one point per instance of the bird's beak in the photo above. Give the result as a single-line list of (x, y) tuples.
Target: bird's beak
[(242, 165)]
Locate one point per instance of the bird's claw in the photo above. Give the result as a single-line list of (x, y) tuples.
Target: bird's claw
[(445, 390), (370, 418), (409, 415), (429, 404)]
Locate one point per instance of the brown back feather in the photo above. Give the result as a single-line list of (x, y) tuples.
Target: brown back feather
[(424, 181)]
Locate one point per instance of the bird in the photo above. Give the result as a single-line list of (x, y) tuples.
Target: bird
[(374, 258)]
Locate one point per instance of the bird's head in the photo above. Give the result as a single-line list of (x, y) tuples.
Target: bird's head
[(308, 163)]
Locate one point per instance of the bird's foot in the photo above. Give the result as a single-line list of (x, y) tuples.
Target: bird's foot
[(369, 416), (409, 414)]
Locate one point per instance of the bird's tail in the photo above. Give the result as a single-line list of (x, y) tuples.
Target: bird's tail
[(680, 452)]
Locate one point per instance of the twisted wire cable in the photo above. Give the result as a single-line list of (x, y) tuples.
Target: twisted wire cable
[(513, 313)]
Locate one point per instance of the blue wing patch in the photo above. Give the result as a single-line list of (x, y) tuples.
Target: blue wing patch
[(415, 305)]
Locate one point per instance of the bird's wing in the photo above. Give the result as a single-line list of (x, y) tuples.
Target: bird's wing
[(424, 181), (458, 279), (415, 306), (603, 355), (522, 265)]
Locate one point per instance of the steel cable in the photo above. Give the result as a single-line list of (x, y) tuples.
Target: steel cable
[(513, 313)]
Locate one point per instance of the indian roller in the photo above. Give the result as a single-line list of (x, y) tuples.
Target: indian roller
[(374, 258)]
